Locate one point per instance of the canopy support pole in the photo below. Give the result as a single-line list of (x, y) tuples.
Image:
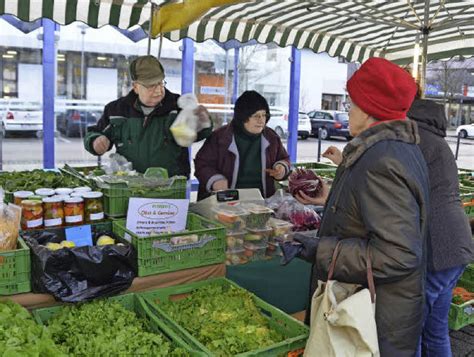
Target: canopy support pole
[(295, 75), (150, 27), (235, 88), (425, 31), (49, 81)]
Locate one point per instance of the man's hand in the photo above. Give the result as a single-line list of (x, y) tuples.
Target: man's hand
[(202, 114), (334, 154), (277, 173), (101, 145), (220, 185), (318, 201)]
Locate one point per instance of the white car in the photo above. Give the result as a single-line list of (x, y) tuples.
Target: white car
[(465, 130), (281, 116), (278, 123), (21, 116)]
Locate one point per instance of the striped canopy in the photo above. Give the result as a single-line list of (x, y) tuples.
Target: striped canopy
[(353, 29)]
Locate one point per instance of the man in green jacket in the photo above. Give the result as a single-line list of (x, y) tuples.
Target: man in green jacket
[(139, 123)]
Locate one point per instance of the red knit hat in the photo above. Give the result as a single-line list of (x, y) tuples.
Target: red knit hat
[(382, 89)]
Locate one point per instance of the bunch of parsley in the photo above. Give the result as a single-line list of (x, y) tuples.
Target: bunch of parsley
[(20, 335), (223, 318), (106, 328)]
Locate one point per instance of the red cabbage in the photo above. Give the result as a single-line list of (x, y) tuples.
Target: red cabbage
[(306, 181)]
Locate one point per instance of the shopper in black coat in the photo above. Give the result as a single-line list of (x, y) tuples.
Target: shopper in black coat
[(449, 241)]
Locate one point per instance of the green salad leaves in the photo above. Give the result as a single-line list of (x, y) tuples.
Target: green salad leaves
[(20, 335), (223, 318), (106, 328)]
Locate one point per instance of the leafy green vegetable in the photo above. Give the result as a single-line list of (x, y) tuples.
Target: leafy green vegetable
[(106, 328), (34, 179), (223, 318), (21, 336)]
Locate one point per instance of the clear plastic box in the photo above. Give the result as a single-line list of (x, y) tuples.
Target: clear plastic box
[(236, 257), (233, 217), (273, 249), (255, 251), (258, 216), (280, 228), (235, 240), (258, 236)]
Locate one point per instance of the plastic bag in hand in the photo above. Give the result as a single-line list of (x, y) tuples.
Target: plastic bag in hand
[(187, 123)]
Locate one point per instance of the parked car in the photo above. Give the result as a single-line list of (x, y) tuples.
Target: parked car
[(279, 119), (331, 122), (21, 116), (465, 130), (74, 122)]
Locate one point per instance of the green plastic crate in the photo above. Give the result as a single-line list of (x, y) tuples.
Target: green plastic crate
[(131, 302), (468, 273), (466, 284), (461, 315), (296, 333), (314, 165), (15, 268), (156, 255), (468, 203), (116, 197)]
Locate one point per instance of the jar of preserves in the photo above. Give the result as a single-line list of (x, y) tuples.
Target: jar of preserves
[(74, 211), (77, 194), (94, 206), (31, 214), (53, 212), (63, 191), (82, 189), (45, 192), (19, 196)]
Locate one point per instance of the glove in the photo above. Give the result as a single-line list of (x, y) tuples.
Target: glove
[(309, 244), (289, 250)]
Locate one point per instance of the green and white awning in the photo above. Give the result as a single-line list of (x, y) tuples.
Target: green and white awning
[(354, 29)]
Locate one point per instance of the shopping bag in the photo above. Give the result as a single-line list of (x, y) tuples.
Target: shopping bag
[(343, 318)]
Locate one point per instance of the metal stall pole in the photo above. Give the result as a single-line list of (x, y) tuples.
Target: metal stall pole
[(457, 146), (187, 84), (49, 80), (295, 74), (235, 87), (150, 26), (425, 31), (319, 144)]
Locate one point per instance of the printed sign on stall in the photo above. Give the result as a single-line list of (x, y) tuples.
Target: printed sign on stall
[(152, 216)]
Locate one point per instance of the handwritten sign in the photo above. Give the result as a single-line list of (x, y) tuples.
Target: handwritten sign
[(151, 216)]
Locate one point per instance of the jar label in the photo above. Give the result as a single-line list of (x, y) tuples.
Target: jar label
[(74, 219), (53, 222), (34, 223), (96, 216)]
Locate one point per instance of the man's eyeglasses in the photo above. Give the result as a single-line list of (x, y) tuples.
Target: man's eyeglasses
[(152, 87)]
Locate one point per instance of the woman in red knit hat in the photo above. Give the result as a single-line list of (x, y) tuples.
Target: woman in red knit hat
[(378, 202)]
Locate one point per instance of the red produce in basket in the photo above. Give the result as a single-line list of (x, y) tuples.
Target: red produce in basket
[(306, 181)]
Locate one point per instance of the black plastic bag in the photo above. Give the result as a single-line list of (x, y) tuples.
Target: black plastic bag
[(80, 273)]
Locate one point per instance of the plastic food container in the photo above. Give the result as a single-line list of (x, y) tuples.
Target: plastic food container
[(63, 191), (82, 189), (255, 251), (31, 214), (235, 241), (236, 257), (257, 217), (258, 236), (273, 249), (74, 211), (53, 211), (45, 192), (233, 217), (94, 206), (280, 228), (19, 196)]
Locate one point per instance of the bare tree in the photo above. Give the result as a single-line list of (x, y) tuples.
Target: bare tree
[(248, 63)]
